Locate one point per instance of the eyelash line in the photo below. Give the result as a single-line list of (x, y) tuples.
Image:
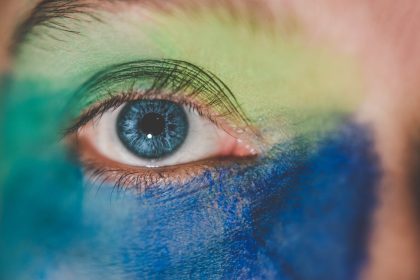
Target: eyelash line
[(144, 178), (116, 101), (174, 76), (173, 80)]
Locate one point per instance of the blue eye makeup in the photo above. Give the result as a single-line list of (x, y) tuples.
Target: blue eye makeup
[(152, 128)]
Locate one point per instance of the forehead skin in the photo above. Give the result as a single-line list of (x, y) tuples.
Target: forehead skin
[(385, 35)]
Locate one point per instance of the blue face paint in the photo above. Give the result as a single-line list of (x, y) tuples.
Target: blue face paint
[(317, 227), (298, 214)]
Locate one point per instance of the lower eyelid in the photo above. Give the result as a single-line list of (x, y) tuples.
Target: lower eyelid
[(141, 179), (100, 170)]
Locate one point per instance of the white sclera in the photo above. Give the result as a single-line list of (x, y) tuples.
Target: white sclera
[(204, 140)]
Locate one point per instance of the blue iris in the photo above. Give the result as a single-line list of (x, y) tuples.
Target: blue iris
[(152, 128)]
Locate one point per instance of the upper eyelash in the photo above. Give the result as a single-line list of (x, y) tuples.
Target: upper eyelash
[(175, 76), (113, 103), (165, 79)]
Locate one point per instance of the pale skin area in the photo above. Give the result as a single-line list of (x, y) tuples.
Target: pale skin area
[(390, 100)]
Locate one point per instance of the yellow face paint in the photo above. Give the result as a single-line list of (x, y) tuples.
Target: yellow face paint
[(280, 78)]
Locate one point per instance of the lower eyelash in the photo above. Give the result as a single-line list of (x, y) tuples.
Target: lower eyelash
[(101, 171), (142, 179)]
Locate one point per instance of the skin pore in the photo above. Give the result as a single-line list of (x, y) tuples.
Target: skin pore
[(269, 85)]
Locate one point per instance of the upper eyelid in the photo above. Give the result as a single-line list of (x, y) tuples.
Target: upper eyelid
[(164, 72)]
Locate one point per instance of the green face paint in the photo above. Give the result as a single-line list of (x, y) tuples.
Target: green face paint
[(41, 190), (292, 90), (274, 75)]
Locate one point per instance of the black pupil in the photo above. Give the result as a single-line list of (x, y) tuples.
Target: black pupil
[(152, 123)]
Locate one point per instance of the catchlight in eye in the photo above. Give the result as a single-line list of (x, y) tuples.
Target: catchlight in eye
[(152, 129), (159, 133)]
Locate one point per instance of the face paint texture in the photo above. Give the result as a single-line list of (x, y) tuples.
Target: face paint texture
[(277, 75), (298, 213), (294, 216), (323, 218), (41, 190)]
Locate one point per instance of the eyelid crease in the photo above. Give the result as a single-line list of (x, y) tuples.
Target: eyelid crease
[(118, 83)]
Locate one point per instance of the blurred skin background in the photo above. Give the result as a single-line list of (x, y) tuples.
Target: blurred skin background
[(383, 37)]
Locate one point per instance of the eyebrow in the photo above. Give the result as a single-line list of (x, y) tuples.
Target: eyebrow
[(48, 13)]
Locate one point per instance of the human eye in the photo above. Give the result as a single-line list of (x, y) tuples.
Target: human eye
[(150, 122), (230, 135)]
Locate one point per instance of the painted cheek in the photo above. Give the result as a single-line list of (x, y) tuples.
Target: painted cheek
[(300, 214)]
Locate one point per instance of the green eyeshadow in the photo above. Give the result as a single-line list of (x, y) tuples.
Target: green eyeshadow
[(278, 77)]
